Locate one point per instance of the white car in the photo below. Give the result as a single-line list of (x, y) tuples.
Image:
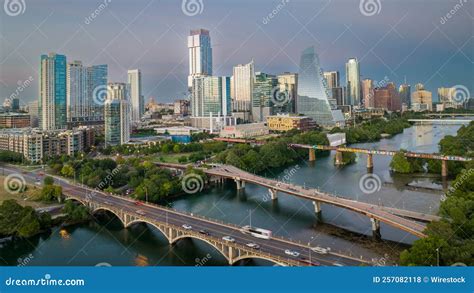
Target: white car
[(253, 245), (320, 250), (292, 252), (140, 212), (187, 227), (228, 238)]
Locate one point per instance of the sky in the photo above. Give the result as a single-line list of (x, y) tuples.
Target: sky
[(427, 41)]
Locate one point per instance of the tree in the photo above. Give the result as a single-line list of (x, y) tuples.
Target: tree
[(50, 193), (400, 163), (67, 170), (48, 180)]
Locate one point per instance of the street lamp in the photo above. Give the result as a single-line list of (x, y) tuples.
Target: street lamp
[(437, 256)]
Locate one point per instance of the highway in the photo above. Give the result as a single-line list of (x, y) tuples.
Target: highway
[(275, 246)]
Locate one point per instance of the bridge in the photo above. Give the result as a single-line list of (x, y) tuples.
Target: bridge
[(397, 218), (172, 224), (370, 152), (441, 121)]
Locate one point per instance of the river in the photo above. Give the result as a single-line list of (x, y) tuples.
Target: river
[(105, 242)]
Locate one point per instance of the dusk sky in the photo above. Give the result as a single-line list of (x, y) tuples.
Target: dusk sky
[(405, 38)]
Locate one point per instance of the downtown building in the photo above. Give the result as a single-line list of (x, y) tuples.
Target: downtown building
[(287, 83), (242, 83), (52, 100), (421, 99), (334, 86), (368, 93), (387, 98), (117, 114), (137, 101), (200, 55), (211, 103), (447, 97), (313, 96), (264, 98), (405, 94), (353, 82)]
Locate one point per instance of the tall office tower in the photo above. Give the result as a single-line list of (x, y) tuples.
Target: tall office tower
[(337, 94), (288, 83), (313, 97), (136, 97), (200, 54), (117, 114), (332, 79), (263, 96), (52, 100), (446, 96), (96, 83), (387, 98), (15, 104), (243, 76), (76, 92), (421, 100), (210, 102), (367, 93), (353, 81), (405, 94)]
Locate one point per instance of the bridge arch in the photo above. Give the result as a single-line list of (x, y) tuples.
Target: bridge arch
[(76, 199), (150, 223), (109, 210), (216, 247), (252, 256)]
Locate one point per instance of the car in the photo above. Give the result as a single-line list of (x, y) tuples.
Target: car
[(137, 203), (140, 212), (253, 245), (292, 252), (338, 264), (320, 250), (204, 232), (228, 238), (186, 226)]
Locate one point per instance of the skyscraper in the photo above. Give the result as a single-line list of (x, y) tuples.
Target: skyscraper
[(421, 99), (136, 97), (313, 97), (265, 86), (405, 94), (76, 93), (332, 79), (242, 86), (52, 100), (353, 81), (288, 83), (367, 93), (96, 80), (117, 114), (200, 54), (387, 97)]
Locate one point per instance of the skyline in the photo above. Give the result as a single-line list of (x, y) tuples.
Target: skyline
[(337, 29)]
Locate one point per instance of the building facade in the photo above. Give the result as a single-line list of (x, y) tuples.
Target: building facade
[(249, 130), (243, 77), (117, 115), (286, 122), (14, 120), (368, 93), (353, 82), (288, 83), (421, 99), (52, 100), (200, 54), (264, 89), (405, 94), (387, 98), (136, 98)]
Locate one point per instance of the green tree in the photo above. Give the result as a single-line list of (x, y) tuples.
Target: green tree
[(400, 163), (48, 180), (67, 170)]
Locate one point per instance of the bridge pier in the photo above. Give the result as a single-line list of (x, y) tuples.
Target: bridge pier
[(240, 184), (339, 160), (273, 193), (444, 168), (375, 228), (317, 207), (312, 155), (370, 162)]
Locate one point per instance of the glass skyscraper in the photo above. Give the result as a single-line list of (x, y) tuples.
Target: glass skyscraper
[(353, 82), (313, 95), (263, 88), (200, 54), (52, 101), (97, 79)]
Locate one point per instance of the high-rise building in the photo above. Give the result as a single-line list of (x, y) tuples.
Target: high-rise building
[(200, 55), (181, 107), (421, 99), (405, 94), (419, 87), (33, 111), (313, 97), (332, 79), (76, 92), (353, 81), (96, 83), (243, 76), (117, 114), (210, 102), (264, 89), (136, 98), (387, 98), (287, 83), (446, 96), (338, 95), (368, 93), (52, 100)]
